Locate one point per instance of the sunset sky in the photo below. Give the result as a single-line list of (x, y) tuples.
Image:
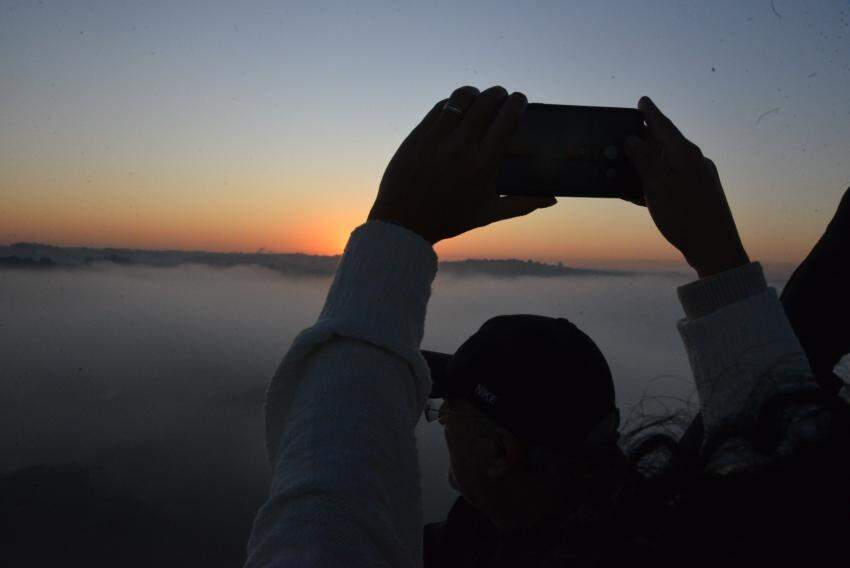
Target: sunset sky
[(236, 126)]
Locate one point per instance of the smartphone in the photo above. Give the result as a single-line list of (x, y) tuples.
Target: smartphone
[(573, 151)]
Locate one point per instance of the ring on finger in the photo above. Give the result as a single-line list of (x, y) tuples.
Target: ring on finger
[(450, 106)]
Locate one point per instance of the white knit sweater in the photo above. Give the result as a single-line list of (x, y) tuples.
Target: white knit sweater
[(342, 407)]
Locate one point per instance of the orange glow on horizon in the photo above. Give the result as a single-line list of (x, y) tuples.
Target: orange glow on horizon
[(328, 235), (280, 219)]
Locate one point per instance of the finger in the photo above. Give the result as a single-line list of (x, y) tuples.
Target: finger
[(424, 125), (508, 207), (647, 163), (661, 127), (678, 151), (448, 119), (712, 169), (504, 126), (481, 112)]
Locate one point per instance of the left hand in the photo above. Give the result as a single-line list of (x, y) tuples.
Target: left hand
[(440, 182), (685, 198)]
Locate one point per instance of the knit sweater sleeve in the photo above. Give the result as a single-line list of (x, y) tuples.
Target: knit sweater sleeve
[(744, 355), (341, 412)]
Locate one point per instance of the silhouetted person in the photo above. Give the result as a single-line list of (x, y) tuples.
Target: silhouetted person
[(342, 407), (817, 301), (522, 397), (531, 428)]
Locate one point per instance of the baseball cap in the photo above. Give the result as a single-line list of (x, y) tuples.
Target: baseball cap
[(541, 378)]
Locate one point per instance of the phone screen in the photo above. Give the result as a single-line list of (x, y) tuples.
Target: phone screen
[(572, 151)]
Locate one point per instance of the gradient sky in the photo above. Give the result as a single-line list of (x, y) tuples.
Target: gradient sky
[(235, 126)]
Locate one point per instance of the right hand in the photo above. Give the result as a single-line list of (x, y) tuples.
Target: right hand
[(441, 181), (684, 196)]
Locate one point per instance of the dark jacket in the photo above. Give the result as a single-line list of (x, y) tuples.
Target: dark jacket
[(791, 509), (582, 537)]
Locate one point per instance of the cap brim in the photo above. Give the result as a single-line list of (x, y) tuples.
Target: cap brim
[(438, 363)]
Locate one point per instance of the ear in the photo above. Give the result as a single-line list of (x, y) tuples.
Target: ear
[(507, 453)]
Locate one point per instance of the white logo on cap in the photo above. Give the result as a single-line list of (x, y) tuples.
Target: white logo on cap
[(485, 395)]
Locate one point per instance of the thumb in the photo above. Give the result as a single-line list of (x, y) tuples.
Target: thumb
[(646, 162), (508, 207)]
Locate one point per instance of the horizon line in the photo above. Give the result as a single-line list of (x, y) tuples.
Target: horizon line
[(449, 258)]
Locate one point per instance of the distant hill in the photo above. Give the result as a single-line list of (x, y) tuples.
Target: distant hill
[(17, 262), (512, 267), (37, 255)]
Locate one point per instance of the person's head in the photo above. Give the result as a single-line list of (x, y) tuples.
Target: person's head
[(529, 417)]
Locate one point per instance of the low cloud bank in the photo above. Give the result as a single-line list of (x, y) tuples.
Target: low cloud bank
[(139, 390)]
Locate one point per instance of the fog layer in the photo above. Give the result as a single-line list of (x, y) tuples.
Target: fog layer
[(150, 381)]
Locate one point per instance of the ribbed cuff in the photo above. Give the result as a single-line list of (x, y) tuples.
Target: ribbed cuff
[(383, 282), (742, 354), (709, 294)]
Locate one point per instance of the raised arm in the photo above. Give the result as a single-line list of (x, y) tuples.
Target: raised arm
[(759, 402), (342, 407)]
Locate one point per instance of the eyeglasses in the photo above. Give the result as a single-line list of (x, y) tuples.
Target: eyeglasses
[(434, 412)]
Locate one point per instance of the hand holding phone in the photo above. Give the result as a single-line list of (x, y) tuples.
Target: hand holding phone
[(684, 196), (438, 183)]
